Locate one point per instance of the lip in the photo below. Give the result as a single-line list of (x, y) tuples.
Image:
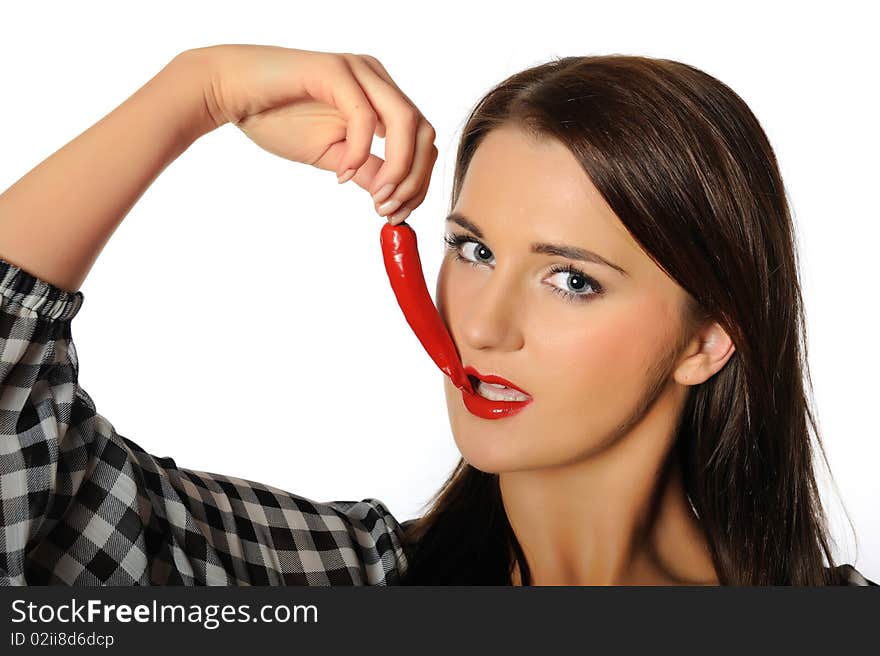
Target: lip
[(492, 378), (486, 408)]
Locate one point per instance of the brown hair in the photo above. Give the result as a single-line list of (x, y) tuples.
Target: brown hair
[(687, 168)]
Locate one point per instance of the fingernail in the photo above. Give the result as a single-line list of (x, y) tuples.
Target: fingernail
[(400, 216), (345, 177), (388, 206), (383, 193)]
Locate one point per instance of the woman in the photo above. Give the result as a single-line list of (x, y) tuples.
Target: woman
[(644, 300)]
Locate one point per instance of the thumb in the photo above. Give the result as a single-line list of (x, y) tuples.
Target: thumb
[(366, 173)]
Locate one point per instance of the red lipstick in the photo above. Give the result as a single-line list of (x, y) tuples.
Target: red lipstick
[(486, 408)]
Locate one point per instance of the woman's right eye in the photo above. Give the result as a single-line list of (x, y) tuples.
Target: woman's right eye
[(454, 243)]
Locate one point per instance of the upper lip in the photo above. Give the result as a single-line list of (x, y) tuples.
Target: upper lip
[(493, 378)]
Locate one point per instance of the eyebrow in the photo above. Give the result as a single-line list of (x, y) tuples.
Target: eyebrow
[(562, 250)]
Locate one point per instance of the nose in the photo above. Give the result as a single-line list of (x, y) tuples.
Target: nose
[(490, 315)]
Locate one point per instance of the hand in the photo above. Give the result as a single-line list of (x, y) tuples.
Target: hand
[(322, 109)]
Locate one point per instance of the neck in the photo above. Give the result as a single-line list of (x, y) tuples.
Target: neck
[(619, 516)]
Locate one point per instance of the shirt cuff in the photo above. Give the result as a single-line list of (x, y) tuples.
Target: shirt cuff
[(47, 300)]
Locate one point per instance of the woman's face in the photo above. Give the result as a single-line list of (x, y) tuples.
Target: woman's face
[(590, 363)]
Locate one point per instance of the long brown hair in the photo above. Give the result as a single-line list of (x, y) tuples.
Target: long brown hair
[(687, 168)]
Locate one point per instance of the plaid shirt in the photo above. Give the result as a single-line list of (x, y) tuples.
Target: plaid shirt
[(83, 505)]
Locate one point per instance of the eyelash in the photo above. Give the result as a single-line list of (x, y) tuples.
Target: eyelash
[(454, 241)]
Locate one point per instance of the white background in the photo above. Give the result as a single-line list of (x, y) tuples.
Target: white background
[(219, 324)]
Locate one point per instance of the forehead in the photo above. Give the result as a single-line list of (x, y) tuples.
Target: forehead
[(517, 185)]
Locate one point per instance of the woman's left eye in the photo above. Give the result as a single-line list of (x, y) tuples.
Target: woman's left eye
[(578, 280)]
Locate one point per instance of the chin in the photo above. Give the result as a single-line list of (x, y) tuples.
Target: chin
[(487, 450), (489, 445), (486, 466)]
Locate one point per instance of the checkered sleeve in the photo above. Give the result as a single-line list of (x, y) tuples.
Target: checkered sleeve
[(83, 505)]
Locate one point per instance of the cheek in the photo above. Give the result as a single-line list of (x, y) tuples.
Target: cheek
[(599, 360), (588, 368), (458, 285)]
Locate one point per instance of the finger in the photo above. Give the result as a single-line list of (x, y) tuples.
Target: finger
[(410, 205), (363, 176), (401, 119), (341, 89), (420, 171), (379, 69), (423, 190)]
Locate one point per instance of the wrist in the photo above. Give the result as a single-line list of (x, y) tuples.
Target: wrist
[(189, 75)]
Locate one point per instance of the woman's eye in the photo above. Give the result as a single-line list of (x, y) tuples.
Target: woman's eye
[(576, 285), (481, 254)]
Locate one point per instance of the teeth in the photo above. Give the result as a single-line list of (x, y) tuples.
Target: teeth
[(495, 392)]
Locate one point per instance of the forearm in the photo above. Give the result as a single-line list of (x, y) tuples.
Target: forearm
[(56, 219)]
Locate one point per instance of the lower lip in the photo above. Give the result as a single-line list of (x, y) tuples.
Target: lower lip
[(487, 409)]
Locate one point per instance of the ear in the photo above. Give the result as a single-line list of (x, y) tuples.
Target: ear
[(708, 352)]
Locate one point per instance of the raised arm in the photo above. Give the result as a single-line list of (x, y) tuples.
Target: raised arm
[(56, 219), (84, 505)]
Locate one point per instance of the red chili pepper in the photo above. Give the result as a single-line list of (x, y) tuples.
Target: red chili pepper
[(400, 252)]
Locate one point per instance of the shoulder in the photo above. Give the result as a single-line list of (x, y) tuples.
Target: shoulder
[(851, 576), (379, 537)]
